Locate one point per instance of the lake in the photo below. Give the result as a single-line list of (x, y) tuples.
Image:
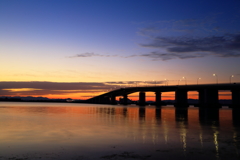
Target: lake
[(77, 131)]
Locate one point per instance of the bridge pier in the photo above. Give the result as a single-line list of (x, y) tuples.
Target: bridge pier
[(181, 98), (142, 98), (158, 100), (208, 98), (125, 99), (113, 99), (235, 98), (235, 116)]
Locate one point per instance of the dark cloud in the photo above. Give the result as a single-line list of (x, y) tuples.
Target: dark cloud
[(135, 82), (58, 88), (43, 88), (53, 85), (194, 47)]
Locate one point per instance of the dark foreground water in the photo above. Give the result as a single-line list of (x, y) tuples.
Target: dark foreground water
[(64, 131)]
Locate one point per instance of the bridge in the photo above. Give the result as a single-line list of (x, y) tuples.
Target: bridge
[(208, 94)]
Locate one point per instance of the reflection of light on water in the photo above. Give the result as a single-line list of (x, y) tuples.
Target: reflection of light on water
[(165, 131), (235, 141), (215, 141), (183, 135), (153, 133), (201, 139), (154, 139), (144, 138)]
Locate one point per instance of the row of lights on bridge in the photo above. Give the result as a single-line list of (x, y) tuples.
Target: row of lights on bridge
[(230, 78), (185, 79)]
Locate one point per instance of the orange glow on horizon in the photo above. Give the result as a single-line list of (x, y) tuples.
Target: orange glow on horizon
[(150, 96)]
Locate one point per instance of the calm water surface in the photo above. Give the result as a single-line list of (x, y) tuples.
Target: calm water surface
[(88, 131)]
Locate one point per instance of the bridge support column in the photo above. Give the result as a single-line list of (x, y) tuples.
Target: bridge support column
[(181, 98), (235, 116), (125, 99), (235, 98), (209, 98), (113, 99), (158, 100), (201, 97), (142, 98)]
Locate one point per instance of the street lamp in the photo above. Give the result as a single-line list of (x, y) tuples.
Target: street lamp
[(216, 77), (166, 83), (155, 82), (178, 81), (198, 79), (185, 80), (230, 78)]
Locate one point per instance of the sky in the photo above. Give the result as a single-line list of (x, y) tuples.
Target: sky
[(82, 48)]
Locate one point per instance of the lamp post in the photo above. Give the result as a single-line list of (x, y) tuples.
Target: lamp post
[(155, 82), (216, 77), (230, 78), (178, 81), (166, 83), (185, 80), (197, 80)]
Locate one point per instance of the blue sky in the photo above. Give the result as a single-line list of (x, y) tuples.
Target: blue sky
[(119, 40)]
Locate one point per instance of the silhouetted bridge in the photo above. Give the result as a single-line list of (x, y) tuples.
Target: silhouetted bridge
[(208, 94)]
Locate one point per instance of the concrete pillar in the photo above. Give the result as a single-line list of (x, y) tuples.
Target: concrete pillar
[(235, 98), (142, 98), (158, 100), (201, 97), (181, 98), (208, 98), (125, 99), (113, 99), (235, 116)]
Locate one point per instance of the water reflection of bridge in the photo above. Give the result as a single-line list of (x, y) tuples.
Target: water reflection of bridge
[(205, 129), (208, 94), (205, 115)]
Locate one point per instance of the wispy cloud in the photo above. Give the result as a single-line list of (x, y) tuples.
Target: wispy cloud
[(137, 83), (39, 88), (183, 47), (54, 85), (91, 54), (47, 88), (191, 38)]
